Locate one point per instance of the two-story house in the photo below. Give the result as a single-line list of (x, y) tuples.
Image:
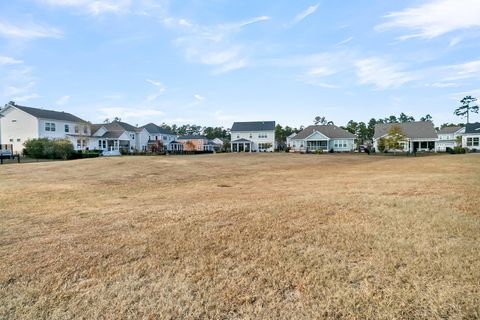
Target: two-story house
[(254, 136), (20, 123), (447, 137), (159, 136)]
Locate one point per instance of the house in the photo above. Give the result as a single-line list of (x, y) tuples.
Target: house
[(256, 136), (160, 136), (419, 135), (447, 137), (195, 142), (322, 137), (471, 137), (20, 123), (115, 136)]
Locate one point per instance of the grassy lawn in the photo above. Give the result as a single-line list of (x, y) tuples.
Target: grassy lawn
[(277, 236)]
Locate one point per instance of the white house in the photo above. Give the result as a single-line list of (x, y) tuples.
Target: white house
[(322, 137), (256, 136), (19, 124), (115, 136), (471, 137), (447, 137), (419, 135), (157, 134)]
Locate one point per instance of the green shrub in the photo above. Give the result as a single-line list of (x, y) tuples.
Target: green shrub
[(318, 151), (459, 150), (48, 149)]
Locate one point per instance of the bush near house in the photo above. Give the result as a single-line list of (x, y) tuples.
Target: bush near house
[(48, 149)]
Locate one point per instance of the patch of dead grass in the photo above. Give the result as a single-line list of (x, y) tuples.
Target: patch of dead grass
[(273, 236)]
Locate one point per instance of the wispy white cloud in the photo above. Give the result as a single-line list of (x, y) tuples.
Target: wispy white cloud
[(130, 114), (344, 41), (198, 97), (92, 7), (381, 73), (160, 90), (27, 97), (213, 45), (434, 18), (4, 60), (63, 100), (302, 15), (28, 30)]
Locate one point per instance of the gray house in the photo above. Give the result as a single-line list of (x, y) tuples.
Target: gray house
[(322, 137), (419, 135)]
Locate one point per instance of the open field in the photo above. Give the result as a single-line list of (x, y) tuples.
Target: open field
[(276, 236)]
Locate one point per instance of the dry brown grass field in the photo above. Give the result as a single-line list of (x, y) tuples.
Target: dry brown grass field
[(249, 236)]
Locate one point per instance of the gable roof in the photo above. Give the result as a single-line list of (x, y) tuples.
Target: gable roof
[(118, 125), (447, 130), (49, 114), (472, 127), (192, 137), (153, 128), (254, 126), (412, 130), (330, 131)]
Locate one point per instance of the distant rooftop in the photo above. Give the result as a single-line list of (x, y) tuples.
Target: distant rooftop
[(254, 126)]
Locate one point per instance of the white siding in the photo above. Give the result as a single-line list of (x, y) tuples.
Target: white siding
[(17, 127), (256, 137)]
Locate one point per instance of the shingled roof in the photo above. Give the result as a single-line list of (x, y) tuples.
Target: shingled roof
[(448, 130), (254, 126), (331, 131), (412, 130), (153, 128), (192, 137), (49, 114), (472, 128)]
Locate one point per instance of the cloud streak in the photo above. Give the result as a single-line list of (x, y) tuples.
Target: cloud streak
[(434, 18), (28, 31), (304, 14)]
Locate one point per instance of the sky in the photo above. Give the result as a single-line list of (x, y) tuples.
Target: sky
[(212, 62)]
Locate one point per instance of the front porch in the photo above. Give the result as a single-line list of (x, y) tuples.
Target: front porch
[(113, 146), (314, 145), (422, 145)]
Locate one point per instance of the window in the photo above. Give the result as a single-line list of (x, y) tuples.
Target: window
[(67, 128), (85, 130), (132, 136), (11, 140), (18, 140), (423, 145), (262, 135), (49, 126), (14, 120), (238, 136), (100, 144), (77, 129), (79, 143), (250, 136), (473, 142)]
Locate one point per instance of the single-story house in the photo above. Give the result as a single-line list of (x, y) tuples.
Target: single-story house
[(322, 137), (419, 135), (115, 136), (447, 137), (195, 142), (471, 137)]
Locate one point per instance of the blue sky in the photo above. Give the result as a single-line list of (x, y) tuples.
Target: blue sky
[(212, 62)]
